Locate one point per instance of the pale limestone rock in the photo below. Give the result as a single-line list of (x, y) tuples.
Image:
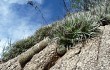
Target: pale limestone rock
[(41, 60)]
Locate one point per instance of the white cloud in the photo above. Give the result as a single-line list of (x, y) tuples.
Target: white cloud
[(40, 1), (12, 26), (22, 31), (22, 1), (15, 1)]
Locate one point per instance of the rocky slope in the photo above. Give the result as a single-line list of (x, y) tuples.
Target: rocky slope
[(93, 54)]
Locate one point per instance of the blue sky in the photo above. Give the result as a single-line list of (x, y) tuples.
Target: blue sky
[(19, 20)]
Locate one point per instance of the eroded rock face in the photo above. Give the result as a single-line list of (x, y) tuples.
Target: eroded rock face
[(43, 59), (93, 54)]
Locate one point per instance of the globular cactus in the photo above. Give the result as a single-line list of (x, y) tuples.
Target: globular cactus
[(61, 50)]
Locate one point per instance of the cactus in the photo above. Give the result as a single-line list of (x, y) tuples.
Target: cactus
[(61, 50)]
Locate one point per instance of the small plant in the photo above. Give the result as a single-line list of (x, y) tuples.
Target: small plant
[(17, 48)]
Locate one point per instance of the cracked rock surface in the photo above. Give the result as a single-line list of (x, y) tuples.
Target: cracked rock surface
[(93, 54)]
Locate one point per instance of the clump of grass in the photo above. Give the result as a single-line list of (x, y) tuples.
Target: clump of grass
[(42, 33), (76, 30)]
